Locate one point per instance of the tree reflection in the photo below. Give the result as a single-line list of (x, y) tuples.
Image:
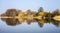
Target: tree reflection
[(11, 21), (41, 22), (56, 23)]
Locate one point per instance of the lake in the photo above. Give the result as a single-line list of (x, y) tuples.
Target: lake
[(42, 26)]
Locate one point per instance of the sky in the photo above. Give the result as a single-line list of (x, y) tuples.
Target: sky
[(48, 5)]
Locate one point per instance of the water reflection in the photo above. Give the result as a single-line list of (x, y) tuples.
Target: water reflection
[(10, 21), (41, 22)]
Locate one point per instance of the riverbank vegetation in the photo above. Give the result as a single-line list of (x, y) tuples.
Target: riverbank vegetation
[(41, 14)]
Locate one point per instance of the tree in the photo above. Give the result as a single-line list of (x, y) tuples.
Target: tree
[(11, 12), (40, 9), (56, 12), (28, 11), (40, 12), (48, 15)]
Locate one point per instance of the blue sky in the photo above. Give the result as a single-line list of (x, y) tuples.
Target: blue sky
[(48, 5)]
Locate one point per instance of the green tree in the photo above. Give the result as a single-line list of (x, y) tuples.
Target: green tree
[(48, 15)]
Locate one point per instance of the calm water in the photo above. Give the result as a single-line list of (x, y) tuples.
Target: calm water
[(33, 27)]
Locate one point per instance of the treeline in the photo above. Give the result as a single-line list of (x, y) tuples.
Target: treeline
[(14, 12)]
